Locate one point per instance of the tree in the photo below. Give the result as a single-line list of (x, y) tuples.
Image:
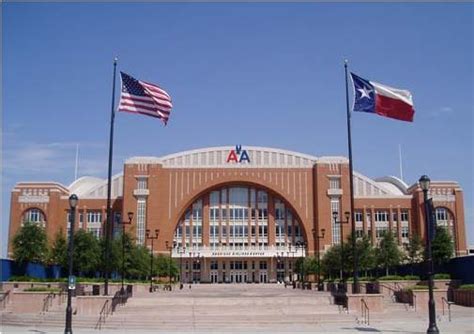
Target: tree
[(30, 244), (442, 247), (388, 254), (414, 252), (87, 253), (331, 262), (163, 264), (139, 267), (365, 253), (59, 250)]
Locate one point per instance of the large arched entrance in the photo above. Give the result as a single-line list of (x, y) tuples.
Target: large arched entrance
[(238, 234)]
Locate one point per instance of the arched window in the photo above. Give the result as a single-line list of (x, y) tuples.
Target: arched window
[(34, 215), (238, 219), (445, 219)]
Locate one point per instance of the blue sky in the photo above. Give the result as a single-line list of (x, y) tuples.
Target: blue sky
[(250, 74)]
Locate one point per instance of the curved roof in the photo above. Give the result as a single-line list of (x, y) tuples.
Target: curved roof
[(264, 157), (393, 184), (93, 187)]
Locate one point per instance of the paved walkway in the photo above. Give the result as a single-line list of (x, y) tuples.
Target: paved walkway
[(249, 308)]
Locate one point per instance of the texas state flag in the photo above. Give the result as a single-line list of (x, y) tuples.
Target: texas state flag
[(383, 100)]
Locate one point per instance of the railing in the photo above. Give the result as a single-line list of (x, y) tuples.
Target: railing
[(5, 299), (48, 302), (110, 306), (104, 312), (445, 301), (392, 290), (414, 300), (365, 312)]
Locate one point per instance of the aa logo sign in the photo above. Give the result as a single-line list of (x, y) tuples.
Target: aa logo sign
[(238, 155)]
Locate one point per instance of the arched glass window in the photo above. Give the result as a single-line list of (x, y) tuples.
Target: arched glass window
[(238, 218), (34, 216)]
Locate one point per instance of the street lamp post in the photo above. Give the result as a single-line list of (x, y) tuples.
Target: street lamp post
[(195, 258), (291, 260), (347, 215), (170, 248), (72, 204), (278, 260), (425, 185), (181, 251), (319, 237), (130, 217), (148, 237), (301, 245)]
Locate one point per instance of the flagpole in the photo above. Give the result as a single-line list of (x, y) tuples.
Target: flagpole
[(355, 287), (400, 160), (108, 226), (77, 160)]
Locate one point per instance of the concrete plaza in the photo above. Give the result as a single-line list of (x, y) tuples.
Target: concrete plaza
[(241, 308)]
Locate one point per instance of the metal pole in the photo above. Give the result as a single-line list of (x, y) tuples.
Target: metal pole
[(432, 328), (151, 266), (355, 287), (122, 290), (108, 226), (68, 327)]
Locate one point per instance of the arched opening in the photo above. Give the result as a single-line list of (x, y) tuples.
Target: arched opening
[(34, 215), (445, 219), (239, 233)]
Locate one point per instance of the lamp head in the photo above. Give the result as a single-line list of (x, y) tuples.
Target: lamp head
[(424, 182), (157, 232), (147, 233), (347, 214), (323, 231), (130, 216), (73, 201), (334, 215)]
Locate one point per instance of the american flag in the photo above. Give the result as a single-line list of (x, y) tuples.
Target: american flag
[(141, 97)]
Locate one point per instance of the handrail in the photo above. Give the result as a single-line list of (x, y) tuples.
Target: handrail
[(365, 311), (102, 315), (392, 296), (5, 298), (445, 301), (414, 300), (47, 302)]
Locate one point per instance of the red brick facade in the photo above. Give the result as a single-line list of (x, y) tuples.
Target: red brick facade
[(306, 184)]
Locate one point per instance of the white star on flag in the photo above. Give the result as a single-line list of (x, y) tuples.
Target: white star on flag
[(364, 92)]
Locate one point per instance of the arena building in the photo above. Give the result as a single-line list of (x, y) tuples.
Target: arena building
[(241, 214)]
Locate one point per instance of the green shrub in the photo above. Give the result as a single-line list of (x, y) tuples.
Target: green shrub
[(442, 276), (467, 287), (42, 289), (24, 279), (411, 278), (391, 278)]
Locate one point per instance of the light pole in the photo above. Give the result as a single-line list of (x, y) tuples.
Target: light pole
[(181, 251), (72, 204), (319, 237), (148, 237), (278, 260), (347, 215), (301, 245), (130, 217), (170, 248), (425, 185), (292, 252), (195, 258)]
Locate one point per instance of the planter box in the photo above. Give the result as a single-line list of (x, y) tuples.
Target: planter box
[(421, 297), (32, 302), (463, 297)]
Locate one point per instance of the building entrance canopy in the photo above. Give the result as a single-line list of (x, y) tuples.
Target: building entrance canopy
[(254, 252)]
